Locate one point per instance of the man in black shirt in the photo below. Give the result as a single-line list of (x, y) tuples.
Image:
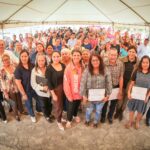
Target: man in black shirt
[(130, 64)]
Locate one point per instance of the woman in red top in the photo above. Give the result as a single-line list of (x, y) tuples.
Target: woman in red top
[(72, 78)]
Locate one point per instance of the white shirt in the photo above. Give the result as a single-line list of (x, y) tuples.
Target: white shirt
[(37, 87), (14, 59), (72, 42), (143, 50)]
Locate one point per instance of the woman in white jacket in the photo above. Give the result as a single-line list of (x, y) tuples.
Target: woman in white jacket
[(39, 84)]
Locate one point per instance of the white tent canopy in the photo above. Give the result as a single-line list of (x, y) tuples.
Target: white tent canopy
[(74, 11)]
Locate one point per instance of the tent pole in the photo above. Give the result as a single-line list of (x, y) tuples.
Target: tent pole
[(146, 22), (17, 11), (149, 33), (55, 10), (2, 28), (113, 27), (100, 10)]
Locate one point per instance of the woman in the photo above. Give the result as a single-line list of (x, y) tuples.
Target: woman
[(39, 50), (18, 49), (54, 74), (65, 59), (95, 77), (130, 64), (65, 56), (40, 85), (49, 51), (72, 78), (140, 78), (104, 53), (22, 78), (9, 86)]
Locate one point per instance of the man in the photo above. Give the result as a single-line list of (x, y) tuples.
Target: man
[(14, 41), (116, 68), (57, 46), (143, 49), (115, 45), (18, 49), (13, 58), (72, 41), (130, 64)]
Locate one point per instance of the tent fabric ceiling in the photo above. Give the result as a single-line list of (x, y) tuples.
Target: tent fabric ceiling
[(108, 11)]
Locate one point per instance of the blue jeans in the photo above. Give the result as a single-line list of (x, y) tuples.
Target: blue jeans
[(29, 104), (97, 106)]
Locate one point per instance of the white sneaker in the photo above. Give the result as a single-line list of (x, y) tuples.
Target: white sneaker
[(60, 126), (5, 121), (47, 118), (33, 119), (63, 120)]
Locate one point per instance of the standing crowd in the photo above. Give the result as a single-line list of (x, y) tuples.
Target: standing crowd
[(58, 68)]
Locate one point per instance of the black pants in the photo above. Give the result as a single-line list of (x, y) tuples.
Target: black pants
[(46, 105), (38, 105), (111, 109), (72, 109), (2, 112), (148, 114), (1, 96)]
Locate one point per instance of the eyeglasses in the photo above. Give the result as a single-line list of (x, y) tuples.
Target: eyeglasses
[(6, 59), (95, 60)]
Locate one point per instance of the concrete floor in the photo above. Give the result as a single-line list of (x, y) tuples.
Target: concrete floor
[(42, 135)]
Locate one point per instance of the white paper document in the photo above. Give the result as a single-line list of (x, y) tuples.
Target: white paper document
[(114, 94), (96, 94), (138, 93)]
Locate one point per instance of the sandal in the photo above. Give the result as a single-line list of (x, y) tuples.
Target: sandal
[(128, 125), (68, 125), (137, 125), (77, 119)]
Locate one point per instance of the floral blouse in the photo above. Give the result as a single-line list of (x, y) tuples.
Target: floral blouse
[(8, 81)]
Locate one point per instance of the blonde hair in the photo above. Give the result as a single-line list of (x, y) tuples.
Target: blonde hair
[(36, 60), (66, 50), (5, 55)]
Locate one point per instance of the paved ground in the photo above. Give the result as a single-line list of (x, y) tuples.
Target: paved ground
[(26, 135)]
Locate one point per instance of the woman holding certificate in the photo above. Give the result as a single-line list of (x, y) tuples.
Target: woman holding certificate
[(138, 91), (40, 85), (96, 86), (72, 79)]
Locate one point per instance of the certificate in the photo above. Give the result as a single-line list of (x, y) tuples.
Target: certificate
[(139, 93), (96, 94), (114, 94)]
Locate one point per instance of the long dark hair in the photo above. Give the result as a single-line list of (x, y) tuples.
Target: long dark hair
[(57, 53), (101, 66), (29, 62), (140, 64)]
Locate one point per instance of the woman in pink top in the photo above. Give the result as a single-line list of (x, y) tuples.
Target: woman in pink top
[(72, 79)]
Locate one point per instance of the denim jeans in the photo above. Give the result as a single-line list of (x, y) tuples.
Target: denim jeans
[(29, 104), (97, 106), (72, 109)]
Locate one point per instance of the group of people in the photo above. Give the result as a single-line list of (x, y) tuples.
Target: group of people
[(58, 69)]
